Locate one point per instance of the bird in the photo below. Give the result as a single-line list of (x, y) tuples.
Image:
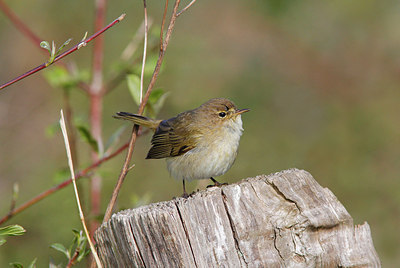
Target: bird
[(197, 144)]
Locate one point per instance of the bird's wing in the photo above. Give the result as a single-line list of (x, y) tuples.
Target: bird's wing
[(171, 139)]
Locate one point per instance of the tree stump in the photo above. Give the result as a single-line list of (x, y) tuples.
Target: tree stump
[(281, 220)]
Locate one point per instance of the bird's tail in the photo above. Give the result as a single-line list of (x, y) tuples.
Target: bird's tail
[(138, 119)]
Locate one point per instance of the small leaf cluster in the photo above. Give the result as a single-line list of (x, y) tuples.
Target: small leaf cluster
[(52, 50), (76, 251), (59, 77), (10, 230), (156, 99), (19, 265), (14, 230)]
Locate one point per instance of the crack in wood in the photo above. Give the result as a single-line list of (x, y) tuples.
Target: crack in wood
[(186, 232), (136, 244), (235, 236), (146, 237), (276, 247), (283, 195)]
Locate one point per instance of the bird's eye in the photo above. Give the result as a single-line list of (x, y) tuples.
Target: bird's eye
[(222, 114)]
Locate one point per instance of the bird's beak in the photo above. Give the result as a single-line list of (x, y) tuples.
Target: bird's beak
[(240, 111)]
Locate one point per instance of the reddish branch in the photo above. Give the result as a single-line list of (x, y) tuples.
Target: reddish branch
[(163, 47), (73, 259), (66, 53), (24, 29), (62, 185), (96, 107)]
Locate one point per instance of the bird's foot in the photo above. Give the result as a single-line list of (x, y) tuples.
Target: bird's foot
[(216, 183)]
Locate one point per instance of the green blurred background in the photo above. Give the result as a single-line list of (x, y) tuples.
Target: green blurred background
[(321, 79)]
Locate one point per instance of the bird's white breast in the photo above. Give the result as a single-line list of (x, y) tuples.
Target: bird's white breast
[(211, 157)]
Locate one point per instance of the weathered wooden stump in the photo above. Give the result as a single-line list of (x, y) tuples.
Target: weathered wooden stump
[(281, 220)]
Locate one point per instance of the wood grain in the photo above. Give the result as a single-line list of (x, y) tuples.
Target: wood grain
[(281, 220)]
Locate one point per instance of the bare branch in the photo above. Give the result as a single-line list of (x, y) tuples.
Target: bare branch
[(185, 8), (146, 29), (162, 25), (24, 29), (66, 53), (61, 185), (71, 168), (163, 47)]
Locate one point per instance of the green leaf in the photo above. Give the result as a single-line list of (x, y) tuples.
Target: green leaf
[(79, 237), (84, 37), (151, 62), (16, 265), (52, 129), (84, 252), (62, 46), (61, 248), (12, 230), (61, 175), (155, 95), (134, 87), (2, 241), (160, 102), (45, 45), (52, 54), (87, 137), (115, 137), (53, 50), (32, 264), (53, 265), (156, 101), (59, 77), (15, 191), (77, 233)]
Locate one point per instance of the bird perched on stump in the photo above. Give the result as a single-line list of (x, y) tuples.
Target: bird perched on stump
[(198, 144)]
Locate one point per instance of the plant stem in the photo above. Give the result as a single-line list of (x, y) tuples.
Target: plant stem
[(71, 168), (163, 47), (96, 108), (66, 53), (61, 185)]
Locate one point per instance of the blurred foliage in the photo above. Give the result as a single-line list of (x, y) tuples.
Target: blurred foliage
[(76, 251), (10, 230), (321, 79)]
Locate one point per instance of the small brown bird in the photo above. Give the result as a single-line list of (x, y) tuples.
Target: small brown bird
[(198, 144)]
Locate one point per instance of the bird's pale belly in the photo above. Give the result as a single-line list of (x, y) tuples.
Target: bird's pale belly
[(204, 162)]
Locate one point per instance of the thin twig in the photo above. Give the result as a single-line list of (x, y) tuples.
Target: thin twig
[(14, 197), (162, 25), (95, 114), (146, 29), (61, 185), (137, 38), (163, 47), (185, 8), (25, 30), (116, 79), (59, 57), (73, 259), (71, 168)]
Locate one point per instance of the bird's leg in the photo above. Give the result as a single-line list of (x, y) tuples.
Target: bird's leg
[(185, 195), (216, 183)]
